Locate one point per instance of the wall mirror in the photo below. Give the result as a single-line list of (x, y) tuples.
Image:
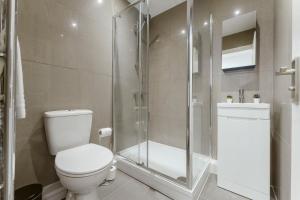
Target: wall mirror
[(239, 38)]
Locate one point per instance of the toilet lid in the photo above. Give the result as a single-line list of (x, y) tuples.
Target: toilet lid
[(84, 159)]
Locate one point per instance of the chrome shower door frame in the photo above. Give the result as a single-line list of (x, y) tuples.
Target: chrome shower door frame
[(140, 73), (189, 95), (189, 128)]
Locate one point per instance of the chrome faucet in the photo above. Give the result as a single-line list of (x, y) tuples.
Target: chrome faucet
[(241, 96)]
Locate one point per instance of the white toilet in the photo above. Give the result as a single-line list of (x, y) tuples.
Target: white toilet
[(80, 166)]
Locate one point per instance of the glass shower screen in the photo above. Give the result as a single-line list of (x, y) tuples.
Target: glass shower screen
[(130, 98), (161, 88)]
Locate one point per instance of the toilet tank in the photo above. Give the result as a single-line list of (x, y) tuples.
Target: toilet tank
[(67, 128)]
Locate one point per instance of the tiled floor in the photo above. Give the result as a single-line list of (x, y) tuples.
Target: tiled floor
[(127, 188), (213, 192)]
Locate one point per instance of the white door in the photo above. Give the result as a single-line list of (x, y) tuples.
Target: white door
[(287, 113), (295, 137)]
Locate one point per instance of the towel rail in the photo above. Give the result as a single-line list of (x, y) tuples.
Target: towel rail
[(7, 106)]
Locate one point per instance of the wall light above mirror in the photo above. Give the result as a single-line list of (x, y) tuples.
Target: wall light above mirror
[(239, 42)]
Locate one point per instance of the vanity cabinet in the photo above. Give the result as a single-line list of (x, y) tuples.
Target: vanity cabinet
[(244, 149)]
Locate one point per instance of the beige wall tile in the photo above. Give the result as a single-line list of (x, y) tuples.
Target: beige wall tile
[(168, 78), (64, 68), (281, 143), (259, 80)]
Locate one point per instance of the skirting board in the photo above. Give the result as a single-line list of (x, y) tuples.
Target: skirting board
[(54, 191), (213, 168)]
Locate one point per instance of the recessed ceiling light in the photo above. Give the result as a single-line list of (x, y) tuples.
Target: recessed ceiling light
[(62, 35), (100, 1), (74, 24), (237, 12), (205, 23), (183, 31)]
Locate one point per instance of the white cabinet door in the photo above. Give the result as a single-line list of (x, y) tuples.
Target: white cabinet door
[(244, 156)]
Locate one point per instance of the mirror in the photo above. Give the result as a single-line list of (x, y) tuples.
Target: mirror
[(239, 42)]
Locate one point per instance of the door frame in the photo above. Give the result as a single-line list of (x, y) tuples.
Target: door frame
[(295, 141)]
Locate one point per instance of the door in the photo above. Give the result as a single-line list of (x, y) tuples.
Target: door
[(295, 150), (286, 109), (129, 82)]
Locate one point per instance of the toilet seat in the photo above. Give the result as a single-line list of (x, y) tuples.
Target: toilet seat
[(84, 160)]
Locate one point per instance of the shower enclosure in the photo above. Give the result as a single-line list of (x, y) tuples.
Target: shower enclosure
[(162, 94)]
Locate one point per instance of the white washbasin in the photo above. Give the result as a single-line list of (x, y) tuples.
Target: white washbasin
[(243, 105)]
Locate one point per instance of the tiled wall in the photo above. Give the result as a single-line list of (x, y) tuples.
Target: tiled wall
[(69, 66), (259, 80), (281, 144), (168, 77), (66, 54)]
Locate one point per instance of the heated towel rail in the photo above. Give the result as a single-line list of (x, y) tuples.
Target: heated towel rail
[(7, 95)]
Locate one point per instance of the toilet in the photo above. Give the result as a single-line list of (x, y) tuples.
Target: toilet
[(80, 166)]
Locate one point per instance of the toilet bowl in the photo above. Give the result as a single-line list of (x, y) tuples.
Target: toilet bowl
[(82, 169), (80, 166)]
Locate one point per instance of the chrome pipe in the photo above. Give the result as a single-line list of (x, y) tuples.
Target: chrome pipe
[(189, 132), (9, 125), (114, 63), (140, 78), (211, 85), (147, 78)]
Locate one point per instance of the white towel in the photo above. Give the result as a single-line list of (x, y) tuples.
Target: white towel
[(20, 99)]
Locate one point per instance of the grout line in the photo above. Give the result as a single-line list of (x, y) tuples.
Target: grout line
[(66, 67), (117, 187), (279, 138), (49, 64)]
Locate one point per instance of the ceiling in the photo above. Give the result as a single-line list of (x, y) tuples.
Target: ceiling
[(157, 7), (239, 23)]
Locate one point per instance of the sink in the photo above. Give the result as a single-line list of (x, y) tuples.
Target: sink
[(244, 105)]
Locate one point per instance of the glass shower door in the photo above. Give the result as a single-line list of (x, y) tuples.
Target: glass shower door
[(161, 95), (129, 83), (200, 99), (168, 73)]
